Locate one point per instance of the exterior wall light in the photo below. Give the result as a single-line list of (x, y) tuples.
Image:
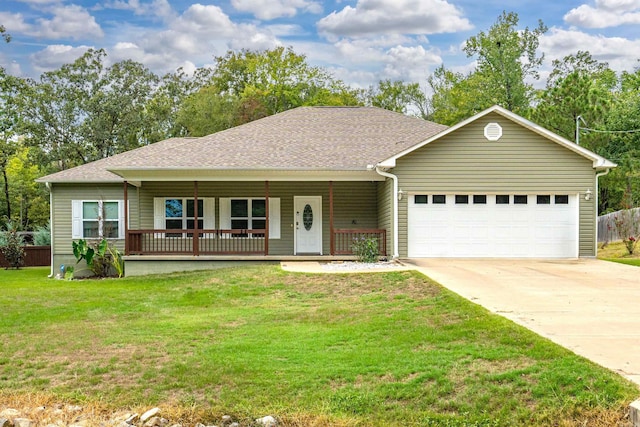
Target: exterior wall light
[(587, 194)]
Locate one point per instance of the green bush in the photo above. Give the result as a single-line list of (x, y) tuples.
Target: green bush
[(366, 249), (12, 247)]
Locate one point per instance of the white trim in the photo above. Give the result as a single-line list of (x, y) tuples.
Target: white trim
[(77, 219), (208, 214), (274, 214), (598, 161)]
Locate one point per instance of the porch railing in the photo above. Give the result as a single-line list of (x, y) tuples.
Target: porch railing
[(208, 242), (344, 239)]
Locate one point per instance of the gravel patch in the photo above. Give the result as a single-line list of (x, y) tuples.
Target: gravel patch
[(362, 266)]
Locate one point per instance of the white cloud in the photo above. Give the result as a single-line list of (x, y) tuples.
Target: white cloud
[(160, 8), (68, 22), (620, 53), (394, 17), (276, 8), (607, 13), (54, 56), (201, 32), (14, 22), (410, 63), (71, 21)]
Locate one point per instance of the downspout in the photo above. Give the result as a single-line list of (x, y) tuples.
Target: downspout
[(395, 207), (598, 175), (48, 185)]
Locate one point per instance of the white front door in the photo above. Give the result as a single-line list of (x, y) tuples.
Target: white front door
[(308, 224)]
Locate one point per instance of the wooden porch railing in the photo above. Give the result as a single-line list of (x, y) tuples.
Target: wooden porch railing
[(208, 242), (344, 238)]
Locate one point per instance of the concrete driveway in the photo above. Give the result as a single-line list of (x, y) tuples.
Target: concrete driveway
[(589, 306)]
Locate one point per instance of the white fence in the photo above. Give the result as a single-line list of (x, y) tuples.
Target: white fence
[(607, 229)]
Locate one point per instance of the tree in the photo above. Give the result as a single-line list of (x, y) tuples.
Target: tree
[(85, 111), (10, 88), (280, 78), (506, 58), (398, 96), (4, 34), (578, 86)]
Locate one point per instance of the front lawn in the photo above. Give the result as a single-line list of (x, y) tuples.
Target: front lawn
[(392, 349)]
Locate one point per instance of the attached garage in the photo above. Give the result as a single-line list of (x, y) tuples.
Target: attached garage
[(495, 186), (493, 225)]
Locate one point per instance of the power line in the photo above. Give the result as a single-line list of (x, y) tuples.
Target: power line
[(610, 131)]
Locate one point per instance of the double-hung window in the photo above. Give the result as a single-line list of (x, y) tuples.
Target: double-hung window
[(248, 214), (178, 213), (97, 219)]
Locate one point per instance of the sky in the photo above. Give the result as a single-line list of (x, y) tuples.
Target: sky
[(358, 41)]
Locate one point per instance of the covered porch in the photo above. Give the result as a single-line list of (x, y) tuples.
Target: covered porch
[(266, 222)]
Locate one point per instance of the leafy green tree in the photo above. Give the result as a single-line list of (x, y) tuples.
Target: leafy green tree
[(28, 197), (207, 111), (166, 117), (10, 88), (506, 58), (578, 86), (280, 78), (85, 111), (4, 34), (398, 96), (621, 188)]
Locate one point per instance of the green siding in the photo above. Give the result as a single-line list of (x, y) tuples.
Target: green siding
[(62, 195), (520, 162)]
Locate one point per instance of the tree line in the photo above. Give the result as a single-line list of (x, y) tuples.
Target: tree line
[(88, 110)]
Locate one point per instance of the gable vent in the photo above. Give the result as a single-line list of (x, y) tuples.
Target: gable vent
[(493, 131)]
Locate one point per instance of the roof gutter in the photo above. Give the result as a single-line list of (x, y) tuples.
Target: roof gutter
[(395, 205)]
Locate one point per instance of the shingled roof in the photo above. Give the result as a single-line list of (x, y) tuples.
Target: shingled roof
[(305, 138)]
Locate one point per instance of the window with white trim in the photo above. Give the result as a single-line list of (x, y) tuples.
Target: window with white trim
[(97, 219), (178, 213), (249, 213)]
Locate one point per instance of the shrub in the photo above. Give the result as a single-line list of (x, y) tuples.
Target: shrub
[(12, 247), (42, 236), (366, 249), (627, 225), (102, 258)]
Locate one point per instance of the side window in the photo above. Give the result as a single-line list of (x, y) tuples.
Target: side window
[(97, 219)]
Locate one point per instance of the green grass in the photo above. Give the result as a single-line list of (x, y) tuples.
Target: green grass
[(617, 252), (363, 349)]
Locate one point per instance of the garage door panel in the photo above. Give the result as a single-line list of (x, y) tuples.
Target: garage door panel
[(493, 230)]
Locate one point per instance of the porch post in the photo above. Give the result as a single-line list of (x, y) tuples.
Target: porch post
[(266, 222), (126, 218), (332, 238), (196, 229)]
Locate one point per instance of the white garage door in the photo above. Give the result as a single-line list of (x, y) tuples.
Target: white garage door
[(493, 226)]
